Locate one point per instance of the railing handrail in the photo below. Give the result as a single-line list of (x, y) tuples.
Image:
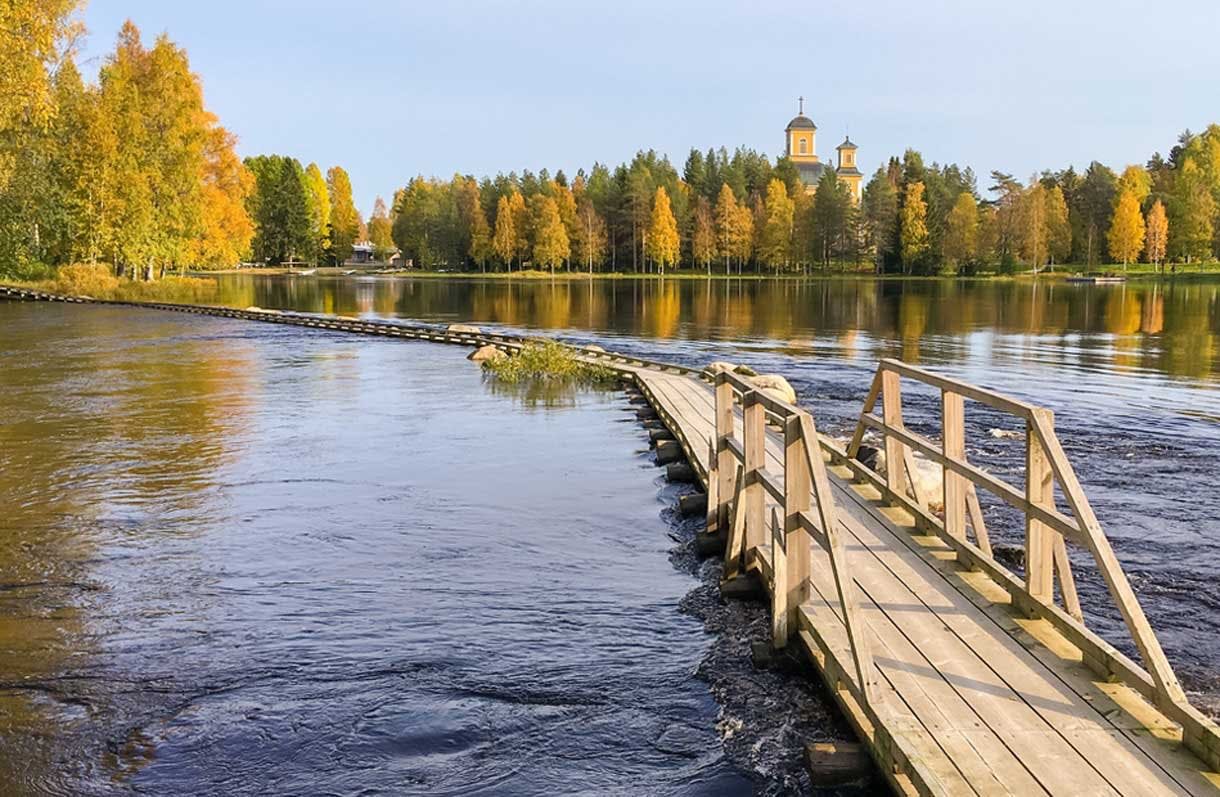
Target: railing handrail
[(740, 480), (1047, 529)]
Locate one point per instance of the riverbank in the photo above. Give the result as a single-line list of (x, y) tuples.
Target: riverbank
[(1139, 271)]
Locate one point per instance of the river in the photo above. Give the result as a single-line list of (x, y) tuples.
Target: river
[(1132, 372), (249, 559)]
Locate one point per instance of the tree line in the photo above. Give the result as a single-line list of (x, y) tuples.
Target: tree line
[(132, 170), (745, 213)]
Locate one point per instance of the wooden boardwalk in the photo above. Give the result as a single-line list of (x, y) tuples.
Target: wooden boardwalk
[(960, 681), (961, 676)]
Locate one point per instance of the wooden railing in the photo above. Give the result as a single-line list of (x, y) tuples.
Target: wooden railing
[(1047, 529), (802, 510)]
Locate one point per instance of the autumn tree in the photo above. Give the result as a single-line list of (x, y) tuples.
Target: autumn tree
[(727, 227), (551, 246), (664, 244), (961, 231), (1157, 236), (344, 218), (778, 220), (504, 240), (1034, 229), (591, 236), (1126, 234), (226, 230), (1058, 226), (381, 231), (703, 233), (318, 198), (1192, 213), (33, 38), (913, 228)]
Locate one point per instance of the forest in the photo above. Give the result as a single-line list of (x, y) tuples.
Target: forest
[(132, 171)]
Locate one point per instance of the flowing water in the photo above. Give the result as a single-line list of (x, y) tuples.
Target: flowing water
[(239, 558), (1132, 372)]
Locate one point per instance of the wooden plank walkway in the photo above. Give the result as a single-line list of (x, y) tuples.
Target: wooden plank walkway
[(962, 677), (972, 696)]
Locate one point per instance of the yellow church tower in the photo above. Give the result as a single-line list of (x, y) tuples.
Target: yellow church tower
[(847, 171), (800, 146), (801, 137)]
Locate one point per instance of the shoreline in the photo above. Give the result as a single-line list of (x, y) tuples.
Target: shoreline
[(578, 276)]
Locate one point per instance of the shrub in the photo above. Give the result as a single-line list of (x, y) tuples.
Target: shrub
[(84, 279), (547, 361)]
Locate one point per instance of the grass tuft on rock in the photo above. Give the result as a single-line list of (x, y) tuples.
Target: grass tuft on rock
[(548, 361)]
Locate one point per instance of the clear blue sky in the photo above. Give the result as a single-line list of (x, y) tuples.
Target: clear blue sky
[(393, 89)]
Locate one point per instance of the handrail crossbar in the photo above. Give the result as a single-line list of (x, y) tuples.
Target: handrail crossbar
[(1047, 529)]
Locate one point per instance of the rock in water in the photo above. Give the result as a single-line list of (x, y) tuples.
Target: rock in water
[(595, 347), (719, 366), (775, 386), (484, 353), (464, 329), (929, 476)]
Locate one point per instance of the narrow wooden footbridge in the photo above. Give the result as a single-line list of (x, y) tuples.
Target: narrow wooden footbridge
[(960, 675)]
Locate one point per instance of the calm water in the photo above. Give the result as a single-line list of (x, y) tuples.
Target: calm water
[(240, 559), (1131, 371)]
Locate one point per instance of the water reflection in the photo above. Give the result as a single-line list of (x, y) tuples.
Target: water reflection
[(246, 559), (1164, 327)]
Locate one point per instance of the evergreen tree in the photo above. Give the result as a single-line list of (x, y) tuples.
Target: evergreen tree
[(880, 211)]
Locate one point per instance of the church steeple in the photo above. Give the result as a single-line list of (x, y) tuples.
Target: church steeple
[(800, 137)]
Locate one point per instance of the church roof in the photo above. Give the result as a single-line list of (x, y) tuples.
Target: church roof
[(801, 121), (811, 172), (847, 144), (849, 171)]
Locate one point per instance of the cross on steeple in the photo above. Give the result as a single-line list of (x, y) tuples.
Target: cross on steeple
[(801, 105)]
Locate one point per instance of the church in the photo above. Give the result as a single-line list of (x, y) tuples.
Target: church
[(800, 145)]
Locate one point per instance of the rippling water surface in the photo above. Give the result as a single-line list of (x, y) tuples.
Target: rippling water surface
[(240, 559), (1131, 371)]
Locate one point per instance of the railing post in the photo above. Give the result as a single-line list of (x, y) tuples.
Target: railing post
[(725, 462), (1039, 491), (754, 431), (797, 492), (953, 420), (891, 413)]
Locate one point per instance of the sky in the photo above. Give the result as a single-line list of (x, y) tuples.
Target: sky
[(391, 90)]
